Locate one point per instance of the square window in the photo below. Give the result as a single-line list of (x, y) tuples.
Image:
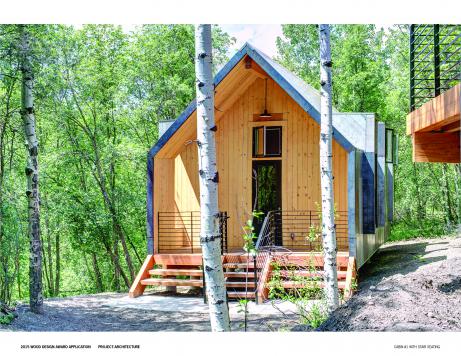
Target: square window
[(267, 141)]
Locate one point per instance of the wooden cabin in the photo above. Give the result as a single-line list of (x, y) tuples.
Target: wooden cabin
[(267, 142)]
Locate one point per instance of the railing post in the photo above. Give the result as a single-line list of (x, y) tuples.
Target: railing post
[(412, 67), (221, 230), (256, 278), (225, 229), (192, 231), (436, 61), (158, 231)]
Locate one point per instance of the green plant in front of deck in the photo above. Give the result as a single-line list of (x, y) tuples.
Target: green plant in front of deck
[(249, 235), (315, 230), (249, 247), (307, 296)]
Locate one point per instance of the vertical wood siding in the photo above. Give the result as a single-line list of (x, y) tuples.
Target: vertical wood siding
[(176, 183)]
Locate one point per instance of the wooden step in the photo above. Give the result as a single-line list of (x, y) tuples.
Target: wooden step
[(299, 284), (309, 274), (241, 284), (241, 295), (308, 260), (234, 274), (239, 265), (172, 282), (176, 272)]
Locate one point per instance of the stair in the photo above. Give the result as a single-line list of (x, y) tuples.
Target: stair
[(295, 270), (172, 282), (241, 295), (240, 283), (176, 272)]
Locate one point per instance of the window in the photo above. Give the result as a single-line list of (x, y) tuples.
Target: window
[(267, 141), (391, 146)]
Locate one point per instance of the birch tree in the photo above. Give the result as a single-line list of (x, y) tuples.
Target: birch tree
[(326, 172), (208, 177), (32, 192)]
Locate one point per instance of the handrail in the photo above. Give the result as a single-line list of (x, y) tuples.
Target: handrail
[(264, 245)]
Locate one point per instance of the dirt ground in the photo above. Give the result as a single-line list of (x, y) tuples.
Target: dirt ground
[(407, 286), (116, 312)]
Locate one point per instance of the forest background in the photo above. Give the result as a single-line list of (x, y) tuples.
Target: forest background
[(100, 92)]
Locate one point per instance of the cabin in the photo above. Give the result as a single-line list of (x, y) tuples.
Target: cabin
[(267, 139), (434, 118)]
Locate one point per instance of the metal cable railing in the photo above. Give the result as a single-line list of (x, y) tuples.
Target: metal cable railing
[(179, 231)]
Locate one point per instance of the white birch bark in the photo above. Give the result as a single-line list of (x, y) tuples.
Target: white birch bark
[(326, 172), (208, 177), (32, 192)]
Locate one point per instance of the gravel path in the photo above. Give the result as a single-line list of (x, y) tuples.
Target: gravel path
[(407, 286)]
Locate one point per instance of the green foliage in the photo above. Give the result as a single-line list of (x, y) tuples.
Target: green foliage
[(371, 74), (315, 315), (428, 228), (249, 236), (308, 297), (100, 92), (7, 318)]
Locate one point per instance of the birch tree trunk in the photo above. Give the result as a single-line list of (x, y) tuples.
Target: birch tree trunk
[(208, 177), (32, 193), (326, 172)]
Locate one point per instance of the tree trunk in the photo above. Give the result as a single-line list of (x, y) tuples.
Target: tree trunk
[(97, 273), (32, 193), (421, 211), (208, 177), (58, 264), (446, 187), (457, 175), (326, 172)]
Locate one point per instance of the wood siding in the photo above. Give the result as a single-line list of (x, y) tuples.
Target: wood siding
[(175, 178)]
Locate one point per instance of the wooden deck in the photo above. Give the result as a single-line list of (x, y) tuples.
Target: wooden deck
[(240, 274), (435, 128)]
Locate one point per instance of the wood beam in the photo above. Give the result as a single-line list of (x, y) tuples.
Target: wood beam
[(255, 68), (436, 147), (137, 288), (232, 98), (440, 111), (350, 278), (453, 127)]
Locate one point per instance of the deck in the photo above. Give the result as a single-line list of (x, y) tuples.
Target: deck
[(246, 277)]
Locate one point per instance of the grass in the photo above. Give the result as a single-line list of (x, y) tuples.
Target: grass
[(6, 319), (429, 228)]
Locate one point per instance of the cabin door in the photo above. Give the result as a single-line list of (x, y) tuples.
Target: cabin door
[(267, 191)]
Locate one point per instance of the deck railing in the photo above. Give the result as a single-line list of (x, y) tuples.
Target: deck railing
[(294, 231), (435, 61), (179, 232)]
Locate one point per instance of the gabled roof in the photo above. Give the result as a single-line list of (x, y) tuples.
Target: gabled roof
[(301, 92)]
